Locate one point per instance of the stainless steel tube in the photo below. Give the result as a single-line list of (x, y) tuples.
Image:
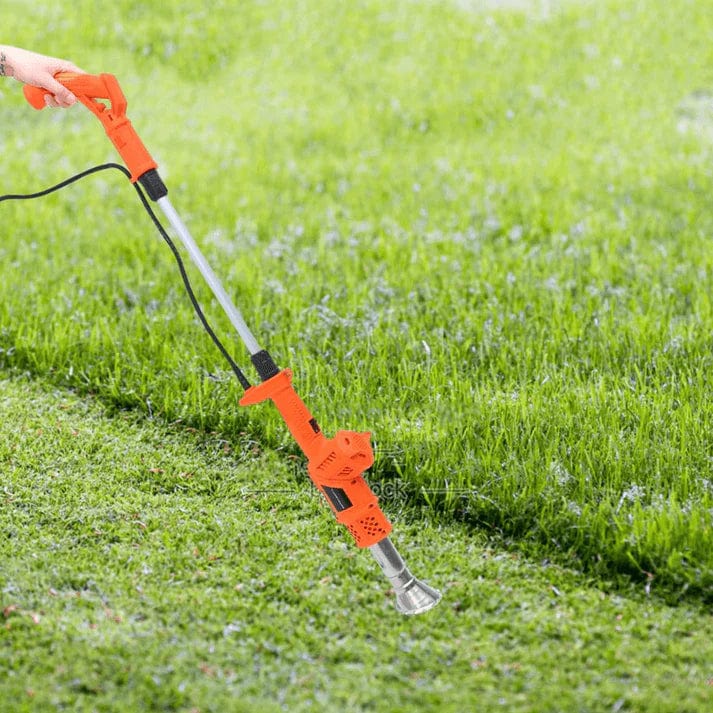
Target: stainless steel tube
[(234, 315)]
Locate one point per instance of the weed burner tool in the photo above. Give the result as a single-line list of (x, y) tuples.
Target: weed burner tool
[(335, 465)]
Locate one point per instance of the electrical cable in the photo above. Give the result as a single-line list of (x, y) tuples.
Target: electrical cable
[(167, 239)]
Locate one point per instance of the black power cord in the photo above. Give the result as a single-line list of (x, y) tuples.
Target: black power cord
[(179, 260)]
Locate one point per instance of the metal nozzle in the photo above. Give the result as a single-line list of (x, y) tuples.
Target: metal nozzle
[(412, 595)]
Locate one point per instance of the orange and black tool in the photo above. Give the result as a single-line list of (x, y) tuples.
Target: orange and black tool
[(335, 465)]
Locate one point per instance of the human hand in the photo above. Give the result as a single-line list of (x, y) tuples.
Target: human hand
[(38, 70)]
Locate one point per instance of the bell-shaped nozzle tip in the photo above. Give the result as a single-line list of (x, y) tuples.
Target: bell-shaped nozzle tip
[(416, 597), (412, 595)]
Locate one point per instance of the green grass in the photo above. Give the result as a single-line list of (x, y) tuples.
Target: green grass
[(481, 235), (483, 239), (150, 567)]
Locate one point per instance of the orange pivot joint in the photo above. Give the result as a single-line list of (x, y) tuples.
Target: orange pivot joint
[(335, 465)]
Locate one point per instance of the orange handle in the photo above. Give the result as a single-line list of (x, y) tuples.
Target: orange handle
[(335, 465), (87, 85), (93, 90)]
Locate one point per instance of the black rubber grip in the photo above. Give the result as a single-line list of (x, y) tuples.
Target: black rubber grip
[(153, 185), (266, 367)]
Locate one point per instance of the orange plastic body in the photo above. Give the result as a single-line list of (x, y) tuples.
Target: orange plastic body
[(332, 463), (92, 90)]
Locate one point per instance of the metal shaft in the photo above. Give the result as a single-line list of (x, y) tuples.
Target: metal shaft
[(234, 315)]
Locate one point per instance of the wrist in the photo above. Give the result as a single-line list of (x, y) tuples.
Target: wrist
[(6, 69)]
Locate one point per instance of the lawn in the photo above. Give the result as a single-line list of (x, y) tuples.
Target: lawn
[(479, 230), (148, 566)]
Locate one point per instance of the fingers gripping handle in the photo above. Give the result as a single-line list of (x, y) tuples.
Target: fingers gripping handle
[(91, 86), (93, 90)]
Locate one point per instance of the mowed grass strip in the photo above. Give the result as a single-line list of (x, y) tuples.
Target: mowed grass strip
[(149, 567), (484, 236)]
